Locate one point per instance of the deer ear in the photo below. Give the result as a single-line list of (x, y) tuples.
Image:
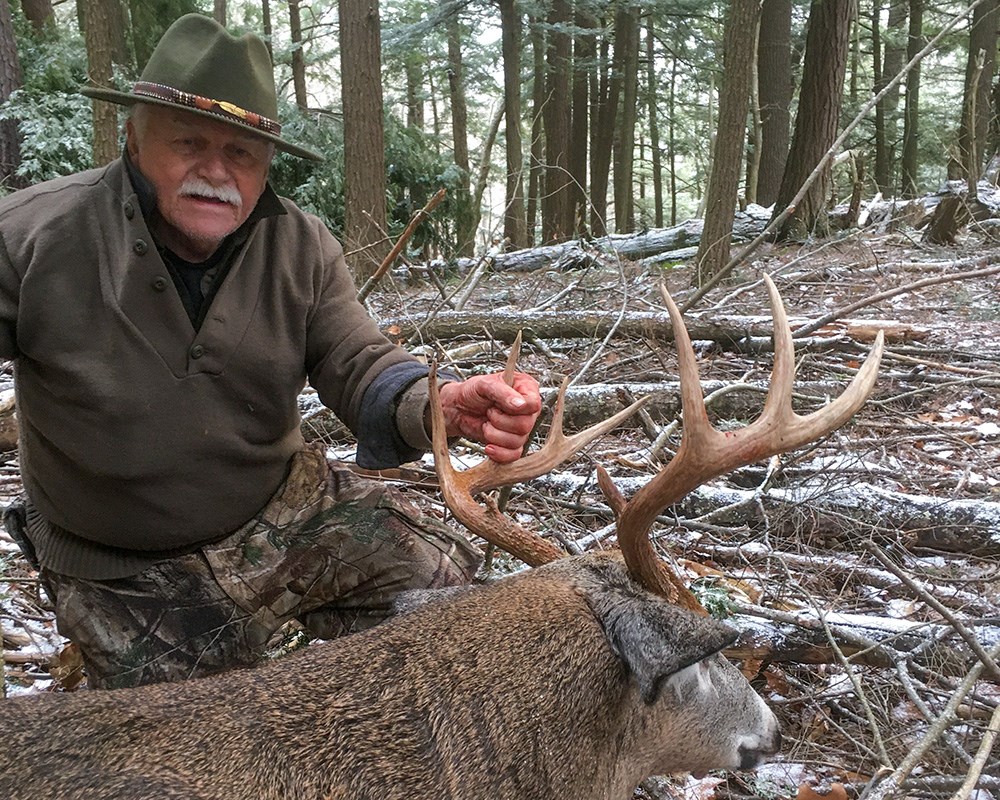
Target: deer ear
[(654, 638)]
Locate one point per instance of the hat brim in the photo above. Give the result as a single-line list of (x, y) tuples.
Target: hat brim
[(129, 99)]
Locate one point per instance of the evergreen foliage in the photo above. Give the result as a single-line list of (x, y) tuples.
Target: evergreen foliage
[(54, 118)]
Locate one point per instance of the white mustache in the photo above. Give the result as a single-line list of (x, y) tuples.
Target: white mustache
[(199, 188)]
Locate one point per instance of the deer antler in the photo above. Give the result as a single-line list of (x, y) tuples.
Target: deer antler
[(706, 453), (459, 487)]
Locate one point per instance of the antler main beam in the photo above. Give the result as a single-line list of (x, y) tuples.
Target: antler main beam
[(706, 453)]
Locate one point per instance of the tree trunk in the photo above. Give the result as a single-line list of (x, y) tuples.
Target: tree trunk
[(537, 143), (102, 19), (11, 78), (816, 122), (654, 128), (364, 136), (606, 126), (414, 66), (672, 140), (466, 219), (911, 111), (774, 70), (734, 102), (39, 13), (885, 68), (483, 175), (584, 52), (220, 12), (557, 206), (298, 55), (977, 103), (624, 144), (265, 15), (514, 226)]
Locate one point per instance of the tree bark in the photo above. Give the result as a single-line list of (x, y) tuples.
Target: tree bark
[(298, 54), (624, 143), (219, 12), (11, 78), (514, 220), (774, 70), (816, 122), (265, 15), (734, 103), (652, 100), (537, 142), (413, 63), (604, 126), (364, 137), (39, 13), (466, 218), (557, 196), (977, 103), (911, 111), (102, 20), (584, 53), (885, 68)]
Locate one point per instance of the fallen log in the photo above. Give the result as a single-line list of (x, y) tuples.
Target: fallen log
[(804, 637), (748, 334), (648, 244), (827, 515)]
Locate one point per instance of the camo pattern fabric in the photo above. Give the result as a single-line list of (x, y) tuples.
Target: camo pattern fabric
[(330, 549)]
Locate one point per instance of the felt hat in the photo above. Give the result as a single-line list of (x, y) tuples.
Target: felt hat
[(200, 67)]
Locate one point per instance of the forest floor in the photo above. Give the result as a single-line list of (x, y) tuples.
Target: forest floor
[(864, 571)]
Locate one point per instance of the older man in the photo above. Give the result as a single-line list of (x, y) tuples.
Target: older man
[(163, 314)]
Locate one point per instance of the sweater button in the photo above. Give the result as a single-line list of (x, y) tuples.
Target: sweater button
[(140, 247), (159, 283), (129, 210), (197, 351)]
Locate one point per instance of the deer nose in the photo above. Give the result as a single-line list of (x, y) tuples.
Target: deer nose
[(751, 757)]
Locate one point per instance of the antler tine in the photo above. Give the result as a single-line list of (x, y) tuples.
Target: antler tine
[(556, 449), (458, 487), (705, 453)]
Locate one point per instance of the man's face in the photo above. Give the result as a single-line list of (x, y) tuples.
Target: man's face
[(207, 175)]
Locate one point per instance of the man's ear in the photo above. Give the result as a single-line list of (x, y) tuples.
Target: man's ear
[(130, 138)]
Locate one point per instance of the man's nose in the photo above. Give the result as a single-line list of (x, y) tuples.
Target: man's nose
[(212, 165)]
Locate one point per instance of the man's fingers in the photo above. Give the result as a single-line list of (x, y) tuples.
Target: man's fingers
[(520, 424), (521, 398), (502, 455), (504, 439)]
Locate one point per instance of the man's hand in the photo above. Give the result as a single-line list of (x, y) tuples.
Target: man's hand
[(487, 410)]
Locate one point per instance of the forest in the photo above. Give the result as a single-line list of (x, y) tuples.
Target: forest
[(548, 168)]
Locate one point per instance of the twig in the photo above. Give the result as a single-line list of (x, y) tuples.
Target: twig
[(967, 636), (981, 755), (387, 262), (815, 325), (894, 781)]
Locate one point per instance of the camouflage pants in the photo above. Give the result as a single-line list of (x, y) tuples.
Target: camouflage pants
[(330, 549)]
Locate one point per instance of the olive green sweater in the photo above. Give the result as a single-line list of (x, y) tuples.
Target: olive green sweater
[(138, 432)]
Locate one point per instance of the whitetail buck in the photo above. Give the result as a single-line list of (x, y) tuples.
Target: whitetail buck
[(577, 679)]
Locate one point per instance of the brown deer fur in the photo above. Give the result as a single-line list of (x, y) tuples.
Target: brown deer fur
[(569, 680)]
